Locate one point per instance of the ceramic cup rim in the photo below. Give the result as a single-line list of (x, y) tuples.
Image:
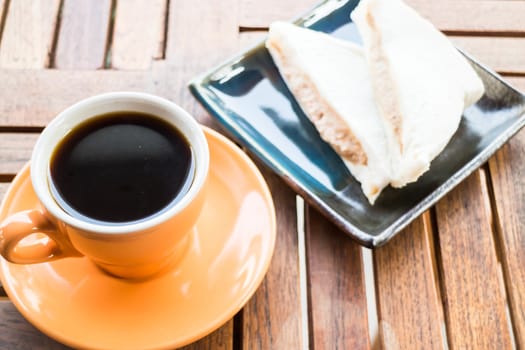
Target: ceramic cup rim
[(107, 103)]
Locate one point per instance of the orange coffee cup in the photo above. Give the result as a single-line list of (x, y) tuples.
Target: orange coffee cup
[(135, 249)]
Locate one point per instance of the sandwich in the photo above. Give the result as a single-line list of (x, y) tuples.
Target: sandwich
[(421, 84), (387, 108), (330, 81)]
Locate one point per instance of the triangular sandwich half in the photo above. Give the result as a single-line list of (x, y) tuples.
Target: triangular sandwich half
[(421, 83), (329, 79)]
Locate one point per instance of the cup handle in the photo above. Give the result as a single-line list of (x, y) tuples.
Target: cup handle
[(22, 224)]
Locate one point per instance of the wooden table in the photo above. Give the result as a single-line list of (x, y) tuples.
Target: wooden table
[(455, 277)]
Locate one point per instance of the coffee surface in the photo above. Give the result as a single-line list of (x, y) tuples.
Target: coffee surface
[(121, 167)]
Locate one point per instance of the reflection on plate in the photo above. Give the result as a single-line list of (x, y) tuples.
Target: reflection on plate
[(72, 301), (248, 97)]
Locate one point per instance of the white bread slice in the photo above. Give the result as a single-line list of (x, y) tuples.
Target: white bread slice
[(329, 79), (421, 83)]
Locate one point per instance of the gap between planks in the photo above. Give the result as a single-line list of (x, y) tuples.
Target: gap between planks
[(371, 298), (303, 284), (438, 272), (497, 236), (4, 7), (109, 39), (54, 38)]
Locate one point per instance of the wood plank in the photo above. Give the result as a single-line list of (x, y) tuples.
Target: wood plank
[(272, 318), (517, 82), (15, 151), (28, 34), (259, 14), (190, 50), (3, 189), (474, 300), (24, 104), (249, 39), (221, 339), (504, 55), (138, 35), (338, 308), (481, 17), (34, 97), (83, 34), (454, 16), (507, 169), (215, 37), (410, 312), (17, 333)]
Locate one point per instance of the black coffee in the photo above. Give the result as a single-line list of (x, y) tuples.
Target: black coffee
[(121, 167)]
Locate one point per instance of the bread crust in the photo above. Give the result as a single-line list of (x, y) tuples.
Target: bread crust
[(329, 123), (385, 91)]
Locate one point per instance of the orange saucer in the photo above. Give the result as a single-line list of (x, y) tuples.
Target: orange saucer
[(74, 302)]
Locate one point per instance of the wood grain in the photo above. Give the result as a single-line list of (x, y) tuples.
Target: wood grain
[(507, 169), (15, 151), (214, 38), (474, 17), (28, 34), (338, 309), (83, 33), (138, 35), (24, 102), (475, 301), (200, 35), (504, 55), (454, 16), (517, 82), (33, 98), (410, 311), (17, 333), (272, 318), (249, 39), (259, 14), (221, 339), (3, 189)]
